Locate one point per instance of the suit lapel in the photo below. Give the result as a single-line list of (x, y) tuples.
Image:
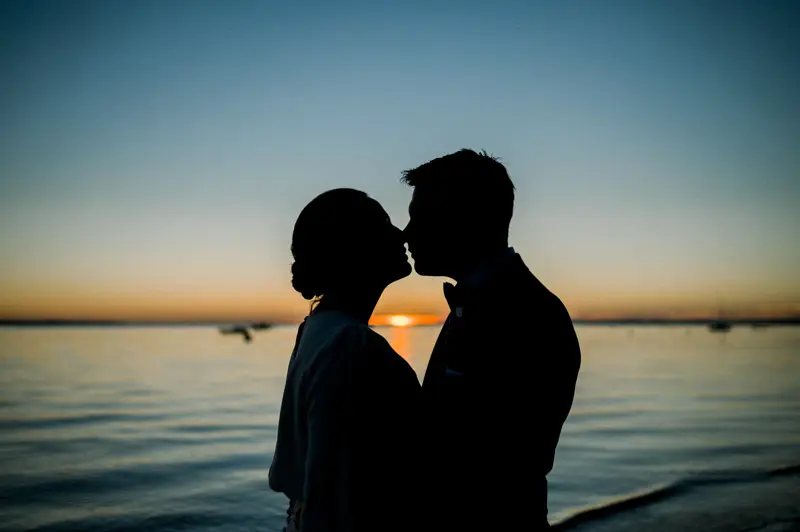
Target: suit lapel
[(479, 305)]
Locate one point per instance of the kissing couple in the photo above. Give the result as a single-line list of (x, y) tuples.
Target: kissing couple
[(361, 446)]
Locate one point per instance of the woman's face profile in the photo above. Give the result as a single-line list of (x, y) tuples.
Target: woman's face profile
[(384, 259), (344, 240)]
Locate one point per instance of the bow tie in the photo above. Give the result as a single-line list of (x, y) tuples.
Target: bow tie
[(454, 295)]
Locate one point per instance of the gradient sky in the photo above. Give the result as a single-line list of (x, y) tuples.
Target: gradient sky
[(155, 154)]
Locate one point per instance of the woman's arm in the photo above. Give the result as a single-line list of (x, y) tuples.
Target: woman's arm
[(327, 501)]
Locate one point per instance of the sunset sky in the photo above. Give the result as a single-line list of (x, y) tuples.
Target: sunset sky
[(155, 154)]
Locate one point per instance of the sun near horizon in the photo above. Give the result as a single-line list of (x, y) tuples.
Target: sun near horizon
[(404, 320)]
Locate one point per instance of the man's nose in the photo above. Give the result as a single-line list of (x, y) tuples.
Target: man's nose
[(407, 232)]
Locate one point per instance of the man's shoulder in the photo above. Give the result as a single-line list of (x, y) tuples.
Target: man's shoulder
[(517, 288), (522, 309)]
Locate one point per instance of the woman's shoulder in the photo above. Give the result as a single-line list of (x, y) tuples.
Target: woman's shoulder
[(336, 331), (381, 353), (348, 339), (329, 323), (339, 329), (369, 348)]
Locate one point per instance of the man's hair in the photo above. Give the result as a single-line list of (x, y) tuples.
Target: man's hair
[(475, 181)]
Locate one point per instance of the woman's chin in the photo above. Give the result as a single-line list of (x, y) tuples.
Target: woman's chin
[(401, 272)]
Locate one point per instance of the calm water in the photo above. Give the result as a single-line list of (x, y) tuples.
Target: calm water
[(173, 428)]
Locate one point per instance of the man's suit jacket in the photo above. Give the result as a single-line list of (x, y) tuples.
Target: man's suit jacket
[(498, 388)]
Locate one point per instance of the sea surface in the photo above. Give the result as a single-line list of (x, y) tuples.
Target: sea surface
[(173, 428)]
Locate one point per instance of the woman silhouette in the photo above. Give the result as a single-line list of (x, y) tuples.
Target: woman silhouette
[(347, 421)]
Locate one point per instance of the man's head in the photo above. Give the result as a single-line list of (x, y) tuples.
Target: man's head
[(459, 213)]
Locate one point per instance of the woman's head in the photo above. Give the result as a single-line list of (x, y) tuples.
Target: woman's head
[(344, 241)]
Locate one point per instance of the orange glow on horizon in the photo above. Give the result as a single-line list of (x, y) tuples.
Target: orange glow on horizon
[(405, 320), (227, 303)]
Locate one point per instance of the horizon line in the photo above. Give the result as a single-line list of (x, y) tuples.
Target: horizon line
[(776, 320)]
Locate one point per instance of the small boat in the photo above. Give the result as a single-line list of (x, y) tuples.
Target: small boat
[(237, 329), (261, 326), (719, 326)]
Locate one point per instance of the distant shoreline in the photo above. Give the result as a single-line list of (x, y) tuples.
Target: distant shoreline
[(742, 322)]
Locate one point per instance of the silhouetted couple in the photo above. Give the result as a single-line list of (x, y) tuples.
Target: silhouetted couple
[(361, 446)]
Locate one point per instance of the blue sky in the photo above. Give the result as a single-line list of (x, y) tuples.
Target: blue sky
[(154, 155)]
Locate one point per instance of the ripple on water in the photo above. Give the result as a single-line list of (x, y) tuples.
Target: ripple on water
[(127, 479), (56, 421), (245, 496)]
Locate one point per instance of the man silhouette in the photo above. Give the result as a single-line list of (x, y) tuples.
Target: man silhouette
[(501, 378)]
